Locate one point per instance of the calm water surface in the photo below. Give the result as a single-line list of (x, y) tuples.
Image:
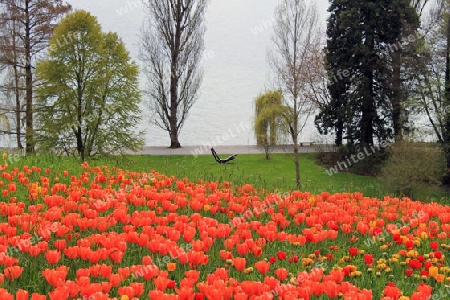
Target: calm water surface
[(235, 67)]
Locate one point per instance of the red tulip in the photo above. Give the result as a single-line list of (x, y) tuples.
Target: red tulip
[(353, 251), (368, 259), (434, 245), (281, 255)]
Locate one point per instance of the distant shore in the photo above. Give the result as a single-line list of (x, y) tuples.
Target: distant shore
[(206, 149), (236, 149)]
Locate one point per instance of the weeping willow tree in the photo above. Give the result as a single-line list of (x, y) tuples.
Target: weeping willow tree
[(269, 119)]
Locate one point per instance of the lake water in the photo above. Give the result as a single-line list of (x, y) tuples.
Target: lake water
[(235, 67)]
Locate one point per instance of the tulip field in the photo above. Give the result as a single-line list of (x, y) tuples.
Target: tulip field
[(110, 233)]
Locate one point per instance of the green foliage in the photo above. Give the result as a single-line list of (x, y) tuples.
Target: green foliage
[(269, 119), (88, 97), (411, 167)]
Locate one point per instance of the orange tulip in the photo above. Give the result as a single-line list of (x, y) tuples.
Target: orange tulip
[(36, 296), (60, 245), (13, 272), (21, 295), (127, 291), (433, 271), (115, 279), (116, 256), (53, 256), (281, 273), (239, 263), (171, 267), (262, 266), (192, 274), (440, 277), (242, 249), (138, 288), (161, 283)]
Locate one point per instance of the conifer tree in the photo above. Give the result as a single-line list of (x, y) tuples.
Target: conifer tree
[(359, 36)]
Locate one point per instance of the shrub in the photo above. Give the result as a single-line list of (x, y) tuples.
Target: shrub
[(411, 167), (347, 158), (326, 155)]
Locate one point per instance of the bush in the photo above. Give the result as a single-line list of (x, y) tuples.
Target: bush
[(411, 167), (356, 159), (373, 158), (326, 155)]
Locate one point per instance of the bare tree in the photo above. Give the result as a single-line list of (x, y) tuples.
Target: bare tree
[(172, 46), (296, 40), (13, 86), (429, 72), (34, 21)]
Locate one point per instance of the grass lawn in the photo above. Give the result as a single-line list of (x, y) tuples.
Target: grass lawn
[(275, 174)]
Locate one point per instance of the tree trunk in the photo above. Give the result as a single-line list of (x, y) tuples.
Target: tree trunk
[(294, 132), (79, 111), (174, 143), (17, 91), (368, 109), (28, 84), (339, 132), (297, 165), (396, 99), (80, 146), (18, 109), (447, 103)]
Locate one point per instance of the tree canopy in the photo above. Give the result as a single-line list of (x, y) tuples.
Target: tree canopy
[(269, 117), (88, 97)]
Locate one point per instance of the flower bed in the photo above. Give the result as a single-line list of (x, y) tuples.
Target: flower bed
[(110, 233)]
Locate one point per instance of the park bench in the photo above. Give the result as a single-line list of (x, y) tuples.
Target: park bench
[(220, 160)]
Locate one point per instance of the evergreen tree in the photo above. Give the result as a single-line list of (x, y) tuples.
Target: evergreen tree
[(360, 34), (332, 115)]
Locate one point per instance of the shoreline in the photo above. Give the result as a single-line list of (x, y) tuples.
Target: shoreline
[(221, 150), (205, 150)]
